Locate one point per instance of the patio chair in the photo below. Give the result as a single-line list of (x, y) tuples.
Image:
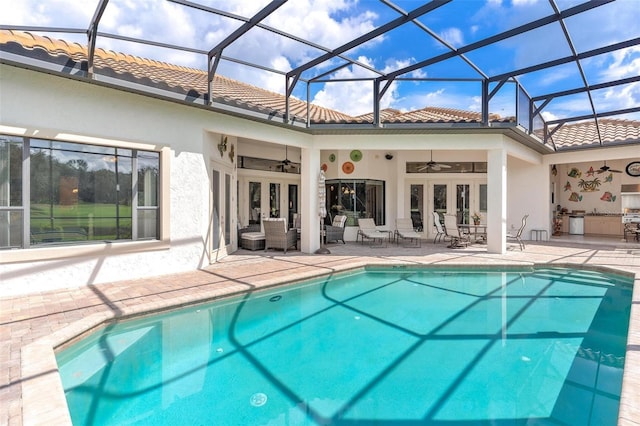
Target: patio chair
[(367, 229), (276, 235), (458, 239), (416, 220), (518, 235), (440, 234), (335, 231), (631, 230), (405, 230)]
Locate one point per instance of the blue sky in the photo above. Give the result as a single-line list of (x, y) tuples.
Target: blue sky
[(331, 23)]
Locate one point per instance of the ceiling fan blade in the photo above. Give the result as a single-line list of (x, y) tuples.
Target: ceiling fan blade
[(444, 166), (615, 171), (436, 167)]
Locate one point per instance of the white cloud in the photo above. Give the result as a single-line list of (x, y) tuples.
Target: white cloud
[(624, 63), (627, 96), (549, 116), (58, 13), (354, 97), (524, 2), (453, 36)]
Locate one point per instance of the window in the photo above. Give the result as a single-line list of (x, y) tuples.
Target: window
[(254, 202), (483, 197), (457, 167), (78, 193), (356, 199), (274, 200), (11, 208)]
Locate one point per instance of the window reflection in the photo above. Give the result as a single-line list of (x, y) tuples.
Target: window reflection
[(77, 193), (356, 199)]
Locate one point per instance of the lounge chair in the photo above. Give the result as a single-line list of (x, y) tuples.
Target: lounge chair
[(405, 230), (276, 235), (518, 235), (440, 234), (335, 231), (367, 229), (631, 231), (458, 239)]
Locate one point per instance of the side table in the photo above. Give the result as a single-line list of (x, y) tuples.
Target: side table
[(539, 235)]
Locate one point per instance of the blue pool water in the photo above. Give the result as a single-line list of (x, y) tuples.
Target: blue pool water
[(398, 346)]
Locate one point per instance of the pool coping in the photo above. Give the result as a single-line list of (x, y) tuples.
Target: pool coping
[(43, 400)]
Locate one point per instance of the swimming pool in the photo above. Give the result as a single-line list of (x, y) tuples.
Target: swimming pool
[(396, 346)]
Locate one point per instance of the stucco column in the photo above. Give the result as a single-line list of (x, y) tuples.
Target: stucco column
[(497, 201), (310, 224)]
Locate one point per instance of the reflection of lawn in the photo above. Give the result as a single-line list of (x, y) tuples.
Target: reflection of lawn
[(98, 221)]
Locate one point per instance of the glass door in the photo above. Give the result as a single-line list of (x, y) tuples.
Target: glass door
[(416, 206), (463, 199), (440, 200), (255, 203), (221, 216), (293, 204)]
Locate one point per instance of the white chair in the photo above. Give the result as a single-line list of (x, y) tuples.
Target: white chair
[(458, 239), (404, 230), (367, 229), (518, 235), (440, 234)]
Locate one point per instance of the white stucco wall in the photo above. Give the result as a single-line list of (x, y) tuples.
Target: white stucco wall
[(41, 105), (45, 106)]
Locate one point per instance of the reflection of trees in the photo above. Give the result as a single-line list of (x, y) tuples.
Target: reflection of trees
[(94, 186)]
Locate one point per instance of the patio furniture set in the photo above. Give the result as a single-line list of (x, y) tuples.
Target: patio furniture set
[(273, 233)]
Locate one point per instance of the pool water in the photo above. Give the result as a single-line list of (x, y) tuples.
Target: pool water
[(377, 346)]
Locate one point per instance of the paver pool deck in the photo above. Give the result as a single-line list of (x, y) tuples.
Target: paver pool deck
[(33, 325)]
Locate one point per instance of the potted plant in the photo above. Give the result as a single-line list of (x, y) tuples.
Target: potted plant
[(476, 218)]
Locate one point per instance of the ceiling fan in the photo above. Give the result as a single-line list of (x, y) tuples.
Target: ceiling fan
[(606, 168), (432, 165), (286, 163)]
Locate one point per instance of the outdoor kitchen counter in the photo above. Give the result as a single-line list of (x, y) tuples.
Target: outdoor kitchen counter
[(599, 224)]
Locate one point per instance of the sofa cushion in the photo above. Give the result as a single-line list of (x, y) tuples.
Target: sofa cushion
[(253, 236)]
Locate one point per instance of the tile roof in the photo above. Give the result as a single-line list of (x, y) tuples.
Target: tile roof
[(585, 134), (192, 83), (189, 81), (433, 115)]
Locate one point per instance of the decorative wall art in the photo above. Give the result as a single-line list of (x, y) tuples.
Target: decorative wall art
[(348, 167), (232, 153), (574, 173), (355, 155), (324, 167), (332, 157), (567, 186), (222, 146), (575, 197), (633, 169), (609, 178), (609, 197), (590, 172), (589, 185)]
